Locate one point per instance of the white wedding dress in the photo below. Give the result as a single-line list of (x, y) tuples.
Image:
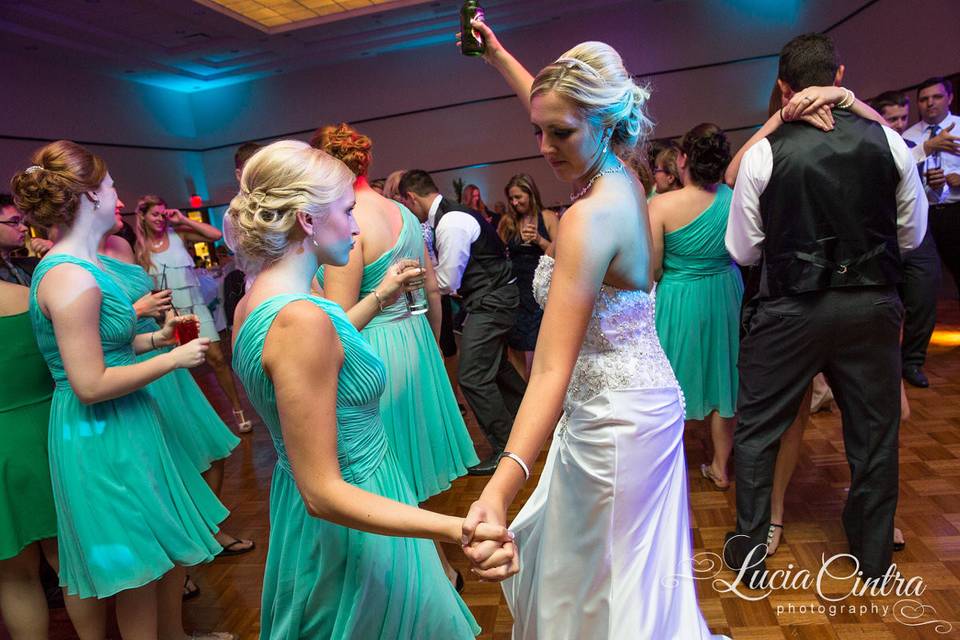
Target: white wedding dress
[(604, 540)]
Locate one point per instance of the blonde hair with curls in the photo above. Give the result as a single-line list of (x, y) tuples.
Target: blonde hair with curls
[(278, 182), (48, 193), (346, 144), (592, 77)]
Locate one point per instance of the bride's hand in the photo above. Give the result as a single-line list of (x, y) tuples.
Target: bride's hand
[(492, 46), (492, 560)]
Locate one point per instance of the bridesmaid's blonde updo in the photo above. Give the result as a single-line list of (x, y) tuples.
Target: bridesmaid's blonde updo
[(279, 181), (592, 77)]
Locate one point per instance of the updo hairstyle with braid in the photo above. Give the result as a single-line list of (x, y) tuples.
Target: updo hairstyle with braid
[(592, 77), (48, 192), (278, 182), (346, 144)]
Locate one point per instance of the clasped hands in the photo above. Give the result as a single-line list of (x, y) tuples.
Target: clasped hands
[(493, 556)]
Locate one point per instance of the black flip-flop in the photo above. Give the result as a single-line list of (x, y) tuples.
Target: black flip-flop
[(231, 550)]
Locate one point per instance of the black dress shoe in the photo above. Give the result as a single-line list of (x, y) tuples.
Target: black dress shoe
[(914, 375), (738, 550), (485, 467)]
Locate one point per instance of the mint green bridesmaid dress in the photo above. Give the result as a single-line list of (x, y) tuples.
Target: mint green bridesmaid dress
[(698, 311), (125, 513), (192, 426), (323, 580), (418, 408)]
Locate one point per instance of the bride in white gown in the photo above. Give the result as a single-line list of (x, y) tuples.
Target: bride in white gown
[(604, 541)]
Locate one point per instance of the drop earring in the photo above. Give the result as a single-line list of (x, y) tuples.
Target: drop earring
[(96, 204)]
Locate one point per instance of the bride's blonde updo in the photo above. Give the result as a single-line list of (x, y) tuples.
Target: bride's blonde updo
[(592, 76), (279, 181)]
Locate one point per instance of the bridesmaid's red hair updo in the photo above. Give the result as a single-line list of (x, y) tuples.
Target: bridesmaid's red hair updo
[(346, 144), (48, 192)]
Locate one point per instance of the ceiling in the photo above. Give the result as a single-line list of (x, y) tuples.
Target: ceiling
[(188, 46), (277, 16)]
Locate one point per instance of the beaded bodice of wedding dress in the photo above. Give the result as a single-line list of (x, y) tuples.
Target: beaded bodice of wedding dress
[(621, 349)]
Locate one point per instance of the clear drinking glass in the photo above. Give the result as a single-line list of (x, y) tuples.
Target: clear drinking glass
[(186, 330), (414, 294)]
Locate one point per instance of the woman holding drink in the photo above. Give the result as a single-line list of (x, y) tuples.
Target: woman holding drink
[(126, 513), (162, 235), (196, 435), (526, 229), (419, 411)]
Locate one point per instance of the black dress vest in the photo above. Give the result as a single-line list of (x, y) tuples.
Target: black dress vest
[(488, 282), (829, 210)]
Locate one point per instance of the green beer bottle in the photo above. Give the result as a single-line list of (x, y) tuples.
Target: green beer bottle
[(471, 42)]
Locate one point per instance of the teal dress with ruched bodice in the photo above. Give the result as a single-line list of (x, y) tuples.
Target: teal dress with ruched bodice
[(698, 310), (125, 512), (323, 580), (418, 408), (193, 429)]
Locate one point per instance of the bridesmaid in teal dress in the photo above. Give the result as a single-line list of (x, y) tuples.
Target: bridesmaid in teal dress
[(191, 425), (195, 433), (337, 566), (126, 515), (700, 289), (419, 410)]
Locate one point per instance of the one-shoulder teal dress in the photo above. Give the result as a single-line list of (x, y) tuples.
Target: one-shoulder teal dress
[(191, 425), (323, 580), (418, 408), (698, 310), (125, 513)]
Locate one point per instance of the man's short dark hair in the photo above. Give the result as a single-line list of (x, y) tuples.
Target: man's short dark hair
[(889, 99), (417, 181), (244, 152), (934, 81), (809, 60), (6, 200)]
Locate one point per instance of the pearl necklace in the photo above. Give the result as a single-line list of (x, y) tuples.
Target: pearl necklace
[(576, 195)]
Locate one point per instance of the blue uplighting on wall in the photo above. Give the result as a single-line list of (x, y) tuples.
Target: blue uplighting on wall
[(767, 11)]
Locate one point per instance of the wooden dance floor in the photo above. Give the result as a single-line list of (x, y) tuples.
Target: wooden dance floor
[(928, 513)]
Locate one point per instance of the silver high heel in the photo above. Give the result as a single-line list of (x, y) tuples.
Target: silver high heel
[(244, 424)]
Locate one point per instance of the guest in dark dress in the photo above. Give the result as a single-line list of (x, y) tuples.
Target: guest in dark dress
[(528, 231)]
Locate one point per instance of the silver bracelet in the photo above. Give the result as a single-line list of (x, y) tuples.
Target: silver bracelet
[(519, 461)]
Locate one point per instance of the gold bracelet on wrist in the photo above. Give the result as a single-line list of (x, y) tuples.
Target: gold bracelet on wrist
[(153, 342), (379, 300)]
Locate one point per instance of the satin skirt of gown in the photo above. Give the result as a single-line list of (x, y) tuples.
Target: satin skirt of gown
[(604, 540)]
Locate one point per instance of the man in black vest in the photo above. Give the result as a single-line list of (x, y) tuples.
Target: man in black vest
[(473, 263), (829, 214)]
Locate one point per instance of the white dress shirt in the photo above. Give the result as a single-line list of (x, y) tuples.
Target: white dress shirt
[(949, 161), (454, 235), (745, 233)]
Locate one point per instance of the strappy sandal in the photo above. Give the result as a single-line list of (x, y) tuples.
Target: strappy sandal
[(770, 533), (708, 474), (244, 424), (190, 588)]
